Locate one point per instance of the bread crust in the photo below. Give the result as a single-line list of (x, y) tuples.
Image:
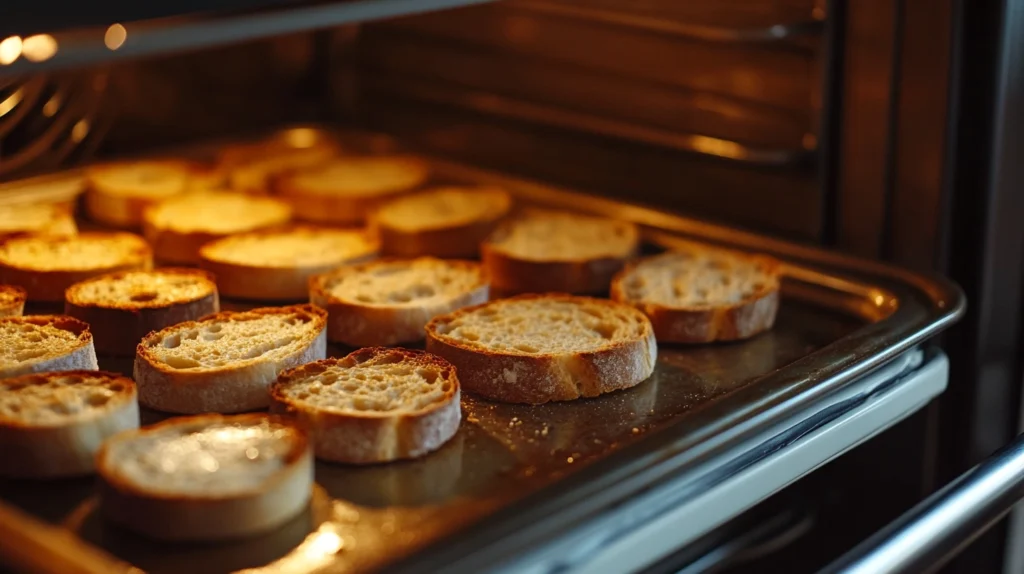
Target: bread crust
[(118, 328), (82, 357), (68, 449), (537, 378), (229, 389), (12, 301), (197, 518), (365, 437), (453, 241)]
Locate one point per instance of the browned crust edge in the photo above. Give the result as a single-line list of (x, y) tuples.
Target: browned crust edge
[(15, 307)]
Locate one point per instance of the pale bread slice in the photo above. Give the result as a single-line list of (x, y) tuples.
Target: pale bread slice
[(374, 405), (180, 226), (47, 266), (122, 308), (551, 251), (348, 189), (389, 302), (52, 424), (12, 301), (41, 343), (117, 194), (277, 265), (444, 222), (206, 477), (703, 294), (253, 165), (540, 348), (36, 219), (225, 362)]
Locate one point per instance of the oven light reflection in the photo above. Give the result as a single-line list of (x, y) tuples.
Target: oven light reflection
[(10, 102), (52, 106), (39, 48), (719, 147), (80, 130), (115, 36), (10, 50), (300, 138)]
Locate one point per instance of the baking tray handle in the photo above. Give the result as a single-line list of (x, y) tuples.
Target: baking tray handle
[(938, 528)]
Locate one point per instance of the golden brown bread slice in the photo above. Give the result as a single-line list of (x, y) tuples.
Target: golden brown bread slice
[(52, 424), (540, 348), (703, 294), (206, 477), (117, 193), (122, 308), (12, 301), (374, 405), (47, 266), (252, 166), (40, 343), (36, 219)]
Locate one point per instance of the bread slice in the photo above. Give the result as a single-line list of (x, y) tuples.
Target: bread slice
[(47, 266), (12, 301), (117, 193), (225, 362), (207, 477), (253, 165), (36, 219), (445, 222), (179, 227), (539, 348), (277, 265), (40, 343), (389, 302), (554, 251), (122, 308), (699, 295), (52, 424), (374, 405), (346, 190)]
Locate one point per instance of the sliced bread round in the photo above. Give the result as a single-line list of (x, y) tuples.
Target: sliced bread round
[(206, 477), (47, 266), (117, 193), (52, 424), (277, 265), (12, 301), (701, 294), (224, 363), (388, 302), (122, 308), (36, 219), (374, 405), (540, 348), (40, 343)]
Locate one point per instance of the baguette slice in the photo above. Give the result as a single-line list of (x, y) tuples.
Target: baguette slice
[(374, 405), (346, 190), (180, 226), (206, 477), (40, 343), (36, 219), (47, 266), (12, 301), (117, 194), (553, 251), (225, 362), (389, 302), (277, 265), (540, 348), (446, 222), (52, 424), (700, 295), (122, 308)]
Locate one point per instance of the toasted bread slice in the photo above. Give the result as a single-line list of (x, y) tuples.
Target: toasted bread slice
[(346, 190), (701, 294), (40, 343), (122, 308), (52, 424), (277, 265), (374, 405), (117, 193), (225, 362), (206, 477), (539, 348), (389, 302), (47, 266), (12, 301), (445, 222), (550, 251), (36, 219), (179, 227)]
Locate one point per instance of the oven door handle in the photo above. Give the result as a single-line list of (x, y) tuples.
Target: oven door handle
[(942, 525)]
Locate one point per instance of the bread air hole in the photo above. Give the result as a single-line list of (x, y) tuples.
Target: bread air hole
[(143, 297), (428, 375), (29, 354), (605, 330), (97, 399), (182, 363), (172, 342), (526, 348), (446, 387)]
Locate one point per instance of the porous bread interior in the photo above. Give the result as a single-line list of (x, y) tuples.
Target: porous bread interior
[(30, 217), (253, 172), (541, 326), (558, 236), (55, 398), (387, 382), (360, 176), (232, 338), (86, 251), (203, 459), (291, 248), (24, 342), (696, 279), (9, 294), (156, 288), (218, 212), (147, 178), (442, 208), (413, 282)]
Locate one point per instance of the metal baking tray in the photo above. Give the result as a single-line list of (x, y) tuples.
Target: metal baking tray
[(515, 475)]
